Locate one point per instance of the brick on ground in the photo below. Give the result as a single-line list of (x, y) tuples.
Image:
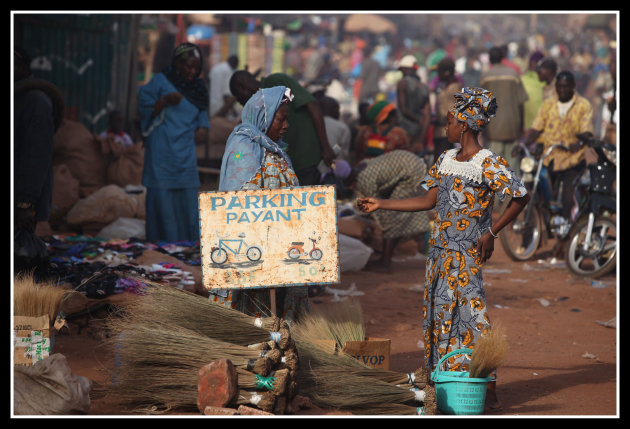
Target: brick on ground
[(219, 411), (249, 411), (217, 384)]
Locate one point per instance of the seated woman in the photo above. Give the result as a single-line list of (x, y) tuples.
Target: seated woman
[(255, 158), (383, 135)]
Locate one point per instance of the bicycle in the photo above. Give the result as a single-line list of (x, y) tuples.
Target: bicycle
[(219, 255)]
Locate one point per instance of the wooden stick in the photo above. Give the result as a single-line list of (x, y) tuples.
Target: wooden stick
[(272, 299)]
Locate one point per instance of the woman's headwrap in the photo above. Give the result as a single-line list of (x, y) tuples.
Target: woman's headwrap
[(475, 106), (196, 91), (379, 111), (246, 145)]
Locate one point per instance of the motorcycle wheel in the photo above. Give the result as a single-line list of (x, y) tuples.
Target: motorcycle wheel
[(316, 254), (521, 238), (294, 253), (218, 256), (601, 257)]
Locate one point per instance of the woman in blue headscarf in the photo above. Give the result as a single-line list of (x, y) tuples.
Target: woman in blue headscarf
[(254, 158), (255, 146), (173, 109)]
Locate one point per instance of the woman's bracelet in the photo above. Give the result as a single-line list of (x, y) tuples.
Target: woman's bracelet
[(492, 233)]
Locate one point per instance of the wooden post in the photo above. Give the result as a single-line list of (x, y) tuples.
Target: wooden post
[(272, 299)]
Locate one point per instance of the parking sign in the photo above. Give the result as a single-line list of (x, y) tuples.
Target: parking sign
[(269, 237)]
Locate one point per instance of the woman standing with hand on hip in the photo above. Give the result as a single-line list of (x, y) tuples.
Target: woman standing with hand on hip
[(461, 187), (173, 109)]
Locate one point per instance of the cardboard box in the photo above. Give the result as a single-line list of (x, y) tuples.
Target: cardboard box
[(31, 339), (373, 352)]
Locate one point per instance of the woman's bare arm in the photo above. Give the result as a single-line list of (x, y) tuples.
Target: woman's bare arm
[(485, 244), (414, 204)]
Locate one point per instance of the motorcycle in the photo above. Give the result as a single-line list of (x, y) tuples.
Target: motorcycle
[(591, 245), (541, 219), (590, 233)]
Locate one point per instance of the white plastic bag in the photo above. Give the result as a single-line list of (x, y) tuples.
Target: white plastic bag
[(49, 387), (353, 254), (123, 228)]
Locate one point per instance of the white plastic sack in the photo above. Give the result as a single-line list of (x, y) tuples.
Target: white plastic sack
[(123, 228), (50, 388), (353, 254)]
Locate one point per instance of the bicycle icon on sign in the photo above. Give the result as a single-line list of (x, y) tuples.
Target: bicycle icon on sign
[(219, 255)]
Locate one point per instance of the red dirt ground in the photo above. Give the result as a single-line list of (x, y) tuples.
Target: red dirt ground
[(561, 361)]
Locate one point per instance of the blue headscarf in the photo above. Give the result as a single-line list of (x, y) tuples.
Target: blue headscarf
[(195, 91), (246, 145)]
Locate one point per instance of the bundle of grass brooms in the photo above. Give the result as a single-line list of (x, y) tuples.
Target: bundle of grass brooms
[(36, 316), (333, 379), (162, 340), (33, 299), (158, 367)]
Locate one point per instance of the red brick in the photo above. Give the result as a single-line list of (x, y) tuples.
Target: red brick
[(219, 411), (217, 384), (249, 411)]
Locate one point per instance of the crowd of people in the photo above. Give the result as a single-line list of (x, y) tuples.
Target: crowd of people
[(452, 132)]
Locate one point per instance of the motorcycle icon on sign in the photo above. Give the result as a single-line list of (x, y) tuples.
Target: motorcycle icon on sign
[(296, 250)]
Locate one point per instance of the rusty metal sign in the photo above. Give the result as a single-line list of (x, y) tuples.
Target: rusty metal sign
[(269, 237)]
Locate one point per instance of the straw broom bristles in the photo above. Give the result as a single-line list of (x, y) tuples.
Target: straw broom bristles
[(159, 364), (417, 378), (489, 352), (352, 392), (340, 381), (312, 357), (167, 304), (429, 405), (36, 299), (144, 343), (339, 322)]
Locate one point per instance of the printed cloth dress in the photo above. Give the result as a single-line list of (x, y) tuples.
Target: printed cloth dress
[(454, 309)]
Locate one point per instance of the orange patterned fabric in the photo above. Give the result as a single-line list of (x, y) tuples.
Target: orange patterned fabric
[(454, 308)]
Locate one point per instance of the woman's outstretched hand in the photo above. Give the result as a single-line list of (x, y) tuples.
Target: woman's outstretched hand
[(368, 205)]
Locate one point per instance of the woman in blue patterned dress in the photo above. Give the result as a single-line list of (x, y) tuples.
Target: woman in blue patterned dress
[(255, 158), (461, 187)]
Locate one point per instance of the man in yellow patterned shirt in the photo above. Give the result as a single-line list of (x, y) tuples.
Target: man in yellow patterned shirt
[(559, 120)]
